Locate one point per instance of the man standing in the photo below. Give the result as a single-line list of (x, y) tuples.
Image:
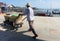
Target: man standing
[(30, 19)]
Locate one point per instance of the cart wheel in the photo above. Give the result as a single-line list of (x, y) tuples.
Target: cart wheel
[(20, 25)]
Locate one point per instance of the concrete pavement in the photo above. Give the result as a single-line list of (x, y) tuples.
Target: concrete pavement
[(48, 29)]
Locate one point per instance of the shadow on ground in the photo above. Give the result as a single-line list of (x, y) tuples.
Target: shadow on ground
[(15, 36)]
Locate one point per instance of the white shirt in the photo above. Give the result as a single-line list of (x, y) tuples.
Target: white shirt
[(30, 14)]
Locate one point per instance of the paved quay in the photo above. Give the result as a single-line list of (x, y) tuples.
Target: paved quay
[(48, 29)]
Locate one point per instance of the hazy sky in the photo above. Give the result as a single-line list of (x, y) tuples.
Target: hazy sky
[(35, 3)]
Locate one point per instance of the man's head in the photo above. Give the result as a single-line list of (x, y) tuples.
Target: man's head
[(27, 5)]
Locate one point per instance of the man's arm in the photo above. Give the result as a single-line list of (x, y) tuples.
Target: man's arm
[(24, 17)]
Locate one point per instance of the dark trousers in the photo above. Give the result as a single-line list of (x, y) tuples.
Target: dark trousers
[(31, 27)]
